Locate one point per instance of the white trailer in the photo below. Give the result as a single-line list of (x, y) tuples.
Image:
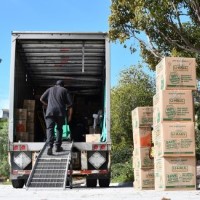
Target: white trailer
[(82, 60)]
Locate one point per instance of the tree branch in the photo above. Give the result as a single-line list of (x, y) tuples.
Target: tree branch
[(150, 47), (190, 46), (196, 8), (177, 16), (184, 47)]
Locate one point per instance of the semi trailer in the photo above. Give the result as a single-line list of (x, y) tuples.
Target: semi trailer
[(82, 61)]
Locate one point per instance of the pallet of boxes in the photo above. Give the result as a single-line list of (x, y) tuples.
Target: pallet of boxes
[(25, 122), (173, 124), (142, 120)]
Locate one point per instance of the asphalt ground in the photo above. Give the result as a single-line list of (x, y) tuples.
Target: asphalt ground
[(116, 191)]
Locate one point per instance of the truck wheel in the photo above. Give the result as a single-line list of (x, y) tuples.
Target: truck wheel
[(18, 183), (91, 182), (69, 178), (25, 181), (104, 182)]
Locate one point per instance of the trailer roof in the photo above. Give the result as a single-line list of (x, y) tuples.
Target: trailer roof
[(76, 58)]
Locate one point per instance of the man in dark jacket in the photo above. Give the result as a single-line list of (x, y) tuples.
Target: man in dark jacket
[(57, 99)]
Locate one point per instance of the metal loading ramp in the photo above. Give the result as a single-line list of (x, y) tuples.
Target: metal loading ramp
[(52, 171)]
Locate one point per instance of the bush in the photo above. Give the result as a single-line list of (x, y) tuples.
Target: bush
[(197, 128), (121, 155), (121, 168), (122, 172), (4, 166)]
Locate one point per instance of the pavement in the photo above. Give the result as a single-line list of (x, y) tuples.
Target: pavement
[(117, 191)]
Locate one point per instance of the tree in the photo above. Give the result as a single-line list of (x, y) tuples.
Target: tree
[(135, 88), (4, 166), (171, 27), (197, 126)]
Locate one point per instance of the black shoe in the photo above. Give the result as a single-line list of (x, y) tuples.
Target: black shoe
[(49, 151), (59, 149)]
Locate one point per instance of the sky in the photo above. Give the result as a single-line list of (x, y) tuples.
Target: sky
[(57, 15)]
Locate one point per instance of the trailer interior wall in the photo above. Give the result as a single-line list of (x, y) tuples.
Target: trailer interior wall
[(23, 89)]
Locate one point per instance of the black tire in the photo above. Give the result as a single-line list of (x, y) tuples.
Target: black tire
[(104, 182), (69, 178), (18, 183), (91, 182), (25, 181)]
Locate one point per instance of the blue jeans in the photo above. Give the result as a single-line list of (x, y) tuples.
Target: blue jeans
[(51, 121)]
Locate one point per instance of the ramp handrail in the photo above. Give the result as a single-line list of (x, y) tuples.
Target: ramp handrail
[(67, 166), (33, 169)]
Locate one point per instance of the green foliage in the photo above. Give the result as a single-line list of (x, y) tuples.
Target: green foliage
[(198, 143), (197, 128), (161, 27), (121, 154), (135, 88), (122, 167), (122, 172), (4, 166)]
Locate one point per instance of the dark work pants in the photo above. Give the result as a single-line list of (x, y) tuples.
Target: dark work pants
[(51, 121)]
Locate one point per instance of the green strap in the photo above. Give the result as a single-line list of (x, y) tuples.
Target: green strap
[(66, 130), (104, 129)]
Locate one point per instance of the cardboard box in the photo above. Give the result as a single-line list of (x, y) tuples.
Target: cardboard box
[(93, 137), (176, 73), (30, 127), (22, 137), (94, 131), (21, 114), (20, 125), (144, 179), (76, 159), (30, 116), (173, 105), (142, 117), (175, 173), (141, 159), (142, 137), (174, 139), (31, 137), (29, 104)]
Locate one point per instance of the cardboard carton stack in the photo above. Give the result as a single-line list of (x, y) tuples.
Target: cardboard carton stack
[(20, 125), (24, 124), (142, 119), (173, 124), (30, 106)]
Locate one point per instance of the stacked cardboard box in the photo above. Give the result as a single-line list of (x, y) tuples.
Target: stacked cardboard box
[(175, 173), (174, 139), (173, 124), (24, 123), (30, 106), (20, 125), (142, 119), (176, 73)]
